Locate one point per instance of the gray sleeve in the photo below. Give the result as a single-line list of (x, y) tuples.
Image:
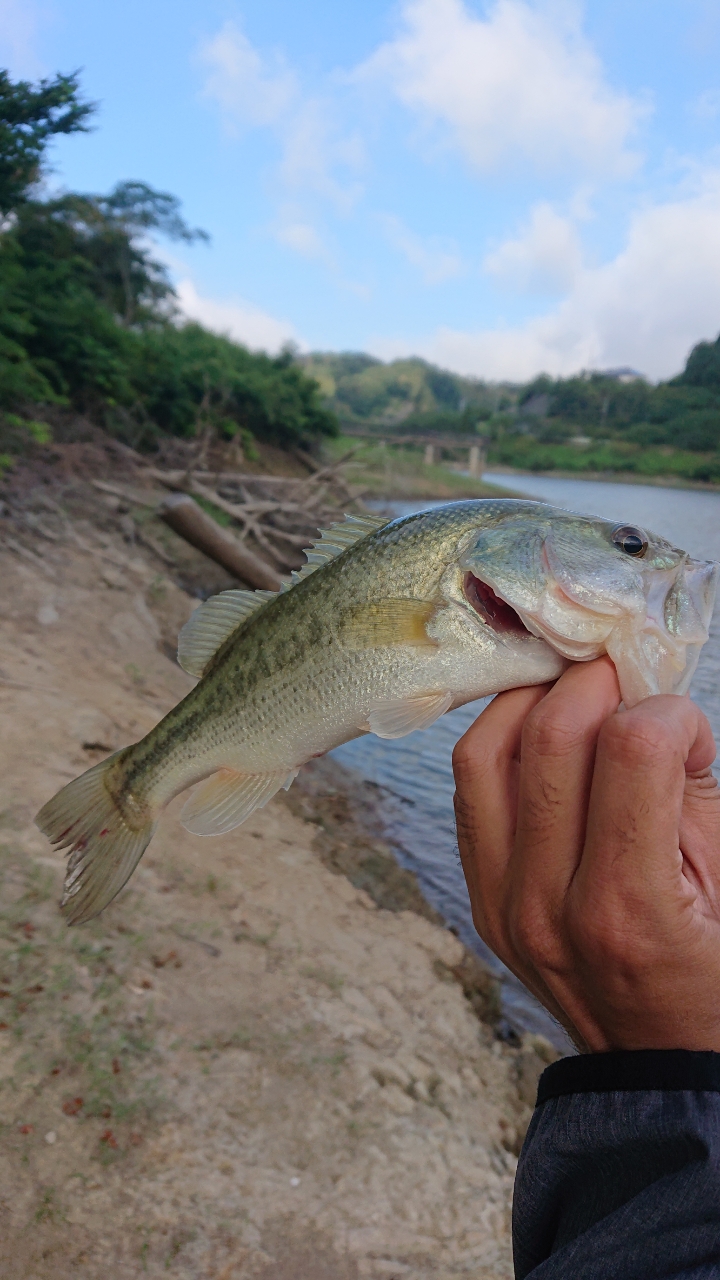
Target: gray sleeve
[(619, 1176)]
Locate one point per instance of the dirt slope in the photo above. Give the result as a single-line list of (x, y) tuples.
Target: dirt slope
[(245, 1068)]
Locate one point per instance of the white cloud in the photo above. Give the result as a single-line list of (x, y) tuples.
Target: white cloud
[(521, 84), (707, 105), (647, 307), (545, 258), (239, 320), (248, 91), (19, 25), (302, 238), (316, 154), (431, 255)]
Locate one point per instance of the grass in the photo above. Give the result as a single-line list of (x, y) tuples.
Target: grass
[(327, 977), (395, 471), (613, 457), (66, 1008)]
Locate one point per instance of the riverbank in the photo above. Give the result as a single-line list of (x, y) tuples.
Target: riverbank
[(386, 471), (665, 481), (267, 1058), (396, 474)]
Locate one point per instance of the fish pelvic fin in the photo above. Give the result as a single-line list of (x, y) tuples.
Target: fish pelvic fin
[(227, 798), (103, 841), (396, 718)]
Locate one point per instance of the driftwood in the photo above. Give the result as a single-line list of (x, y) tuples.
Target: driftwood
[(277, 517), (184, 515)]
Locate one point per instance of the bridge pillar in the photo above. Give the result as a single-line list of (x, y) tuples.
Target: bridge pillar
[(431, 455), (476, 460)]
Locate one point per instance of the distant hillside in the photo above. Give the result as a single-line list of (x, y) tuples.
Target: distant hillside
[(612, 420), (409, 394)]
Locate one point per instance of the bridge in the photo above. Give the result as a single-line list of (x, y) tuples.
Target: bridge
[(433, 442)]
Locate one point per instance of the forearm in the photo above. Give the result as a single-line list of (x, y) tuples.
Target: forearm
[(619, 1177)]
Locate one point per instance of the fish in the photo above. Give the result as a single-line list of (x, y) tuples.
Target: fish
[(390, 624)]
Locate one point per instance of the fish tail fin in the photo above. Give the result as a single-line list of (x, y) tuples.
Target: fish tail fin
[(103, 844)]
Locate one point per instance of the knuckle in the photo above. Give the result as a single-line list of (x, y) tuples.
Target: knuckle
[(551, 731), (472, 758), (610, 937), (638, 739), (532, 938)]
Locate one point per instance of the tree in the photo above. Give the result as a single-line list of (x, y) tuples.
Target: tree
[(703, 366), (87, 314), (29, 117), (107, 234), (185, 376)]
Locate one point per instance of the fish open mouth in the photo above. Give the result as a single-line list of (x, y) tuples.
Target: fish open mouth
[(491, 608)]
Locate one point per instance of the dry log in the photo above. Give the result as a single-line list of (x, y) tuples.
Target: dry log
[(184, 515)]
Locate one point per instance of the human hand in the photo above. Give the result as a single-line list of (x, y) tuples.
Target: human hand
[(590, 842)]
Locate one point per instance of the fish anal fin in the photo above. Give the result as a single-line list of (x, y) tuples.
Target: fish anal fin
[(387, 622), (211, 624), (228, 797), (396, 718)]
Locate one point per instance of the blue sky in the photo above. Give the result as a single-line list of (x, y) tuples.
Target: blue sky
[(502, 187)]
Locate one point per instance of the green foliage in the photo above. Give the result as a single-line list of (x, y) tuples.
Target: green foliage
[(528, 454), (703, 366), (88, 317), (188, 379), (405, 394), (438, 420), (681, 414), (29, 117)]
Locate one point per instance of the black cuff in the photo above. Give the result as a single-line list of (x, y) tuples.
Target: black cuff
[(661, 1069)]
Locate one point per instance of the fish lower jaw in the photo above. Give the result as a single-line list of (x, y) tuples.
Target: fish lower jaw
[(573, 650)]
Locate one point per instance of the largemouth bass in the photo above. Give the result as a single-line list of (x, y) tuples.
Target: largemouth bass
[(388, 626)]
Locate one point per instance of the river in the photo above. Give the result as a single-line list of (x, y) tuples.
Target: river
[(416, 772)]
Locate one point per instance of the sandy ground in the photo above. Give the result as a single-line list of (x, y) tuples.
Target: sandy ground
[(246, 1067)]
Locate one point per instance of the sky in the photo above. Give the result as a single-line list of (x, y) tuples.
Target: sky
[(503, 188)]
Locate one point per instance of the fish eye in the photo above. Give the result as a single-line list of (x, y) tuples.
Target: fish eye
[(630, 540)]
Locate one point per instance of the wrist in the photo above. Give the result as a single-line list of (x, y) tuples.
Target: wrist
[(632, 1070)]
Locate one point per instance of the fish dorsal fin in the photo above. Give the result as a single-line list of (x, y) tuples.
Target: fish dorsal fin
[(212, 623), (333, 541)]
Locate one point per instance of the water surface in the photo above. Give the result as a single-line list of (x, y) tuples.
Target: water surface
[(416, 770)]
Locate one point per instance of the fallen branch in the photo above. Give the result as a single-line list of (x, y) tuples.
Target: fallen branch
[(187, 519), (132, 496)]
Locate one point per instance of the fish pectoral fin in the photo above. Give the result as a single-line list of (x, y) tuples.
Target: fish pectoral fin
[(396, 718), (378, 623), (227, 798)]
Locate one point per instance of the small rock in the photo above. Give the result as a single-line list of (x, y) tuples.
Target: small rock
[(51, 1137), (294, 1182), (47, 614), (112, 578)]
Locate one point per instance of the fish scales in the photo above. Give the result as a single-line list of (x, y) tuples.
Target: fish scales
[(399, 622)]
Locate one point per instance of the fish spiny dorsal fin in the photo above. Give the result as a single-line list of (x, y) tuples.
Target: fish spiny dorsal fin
[(212, 623), (333, 541)]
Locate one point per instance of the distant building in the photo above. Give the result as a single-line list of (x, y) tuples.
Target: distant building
[(624, 374), (537, 406)]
